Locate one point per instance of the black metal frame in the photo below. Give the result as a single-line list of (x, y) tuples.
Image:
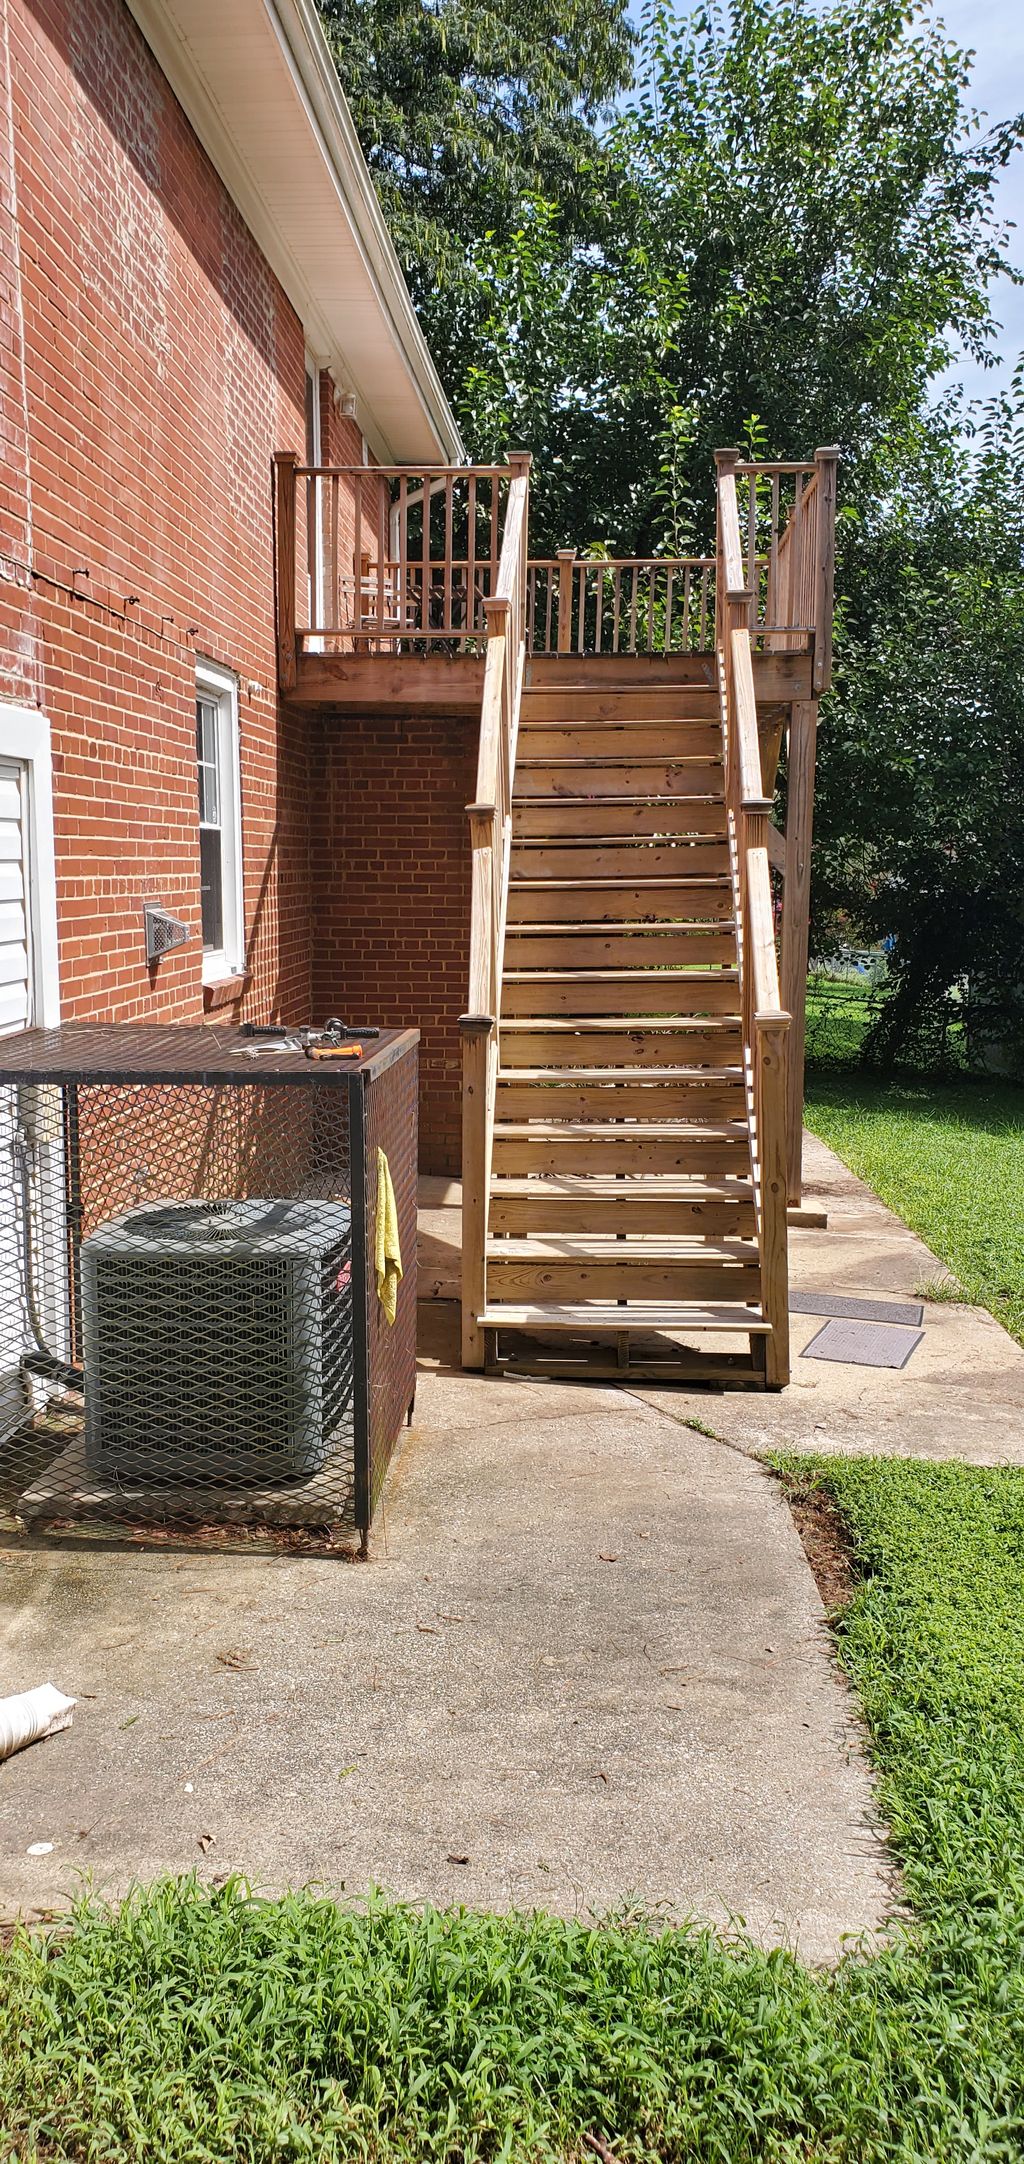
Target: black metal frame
[(380, 1093)]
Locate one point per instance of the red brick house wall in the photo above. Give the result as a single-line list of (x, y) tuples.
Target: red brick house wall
[(390, 874), (150, 365)]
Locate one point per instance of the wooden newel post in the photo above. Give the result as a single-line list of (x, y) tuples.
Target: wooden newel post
[(566, 566), (476, 1052), (285, 463), (771, 1132)]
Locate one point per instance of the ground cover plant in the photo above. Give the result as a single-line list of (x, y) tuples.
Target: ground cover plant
[(204, 2025), (908, 1136)]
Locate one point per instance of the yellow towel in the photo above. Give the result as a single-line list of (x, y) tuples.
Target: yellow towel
[(387, 1252)]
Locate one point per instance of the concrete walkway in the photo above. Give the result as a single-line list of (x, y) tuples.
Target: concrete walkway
[(585, 1666)]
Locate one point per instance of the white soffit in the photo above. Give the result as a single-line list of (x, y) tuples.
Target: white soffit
[(258, 84)]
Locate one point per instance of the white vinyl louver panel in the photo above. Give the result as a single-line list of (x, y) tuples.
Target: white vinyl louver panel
[(15, 969)]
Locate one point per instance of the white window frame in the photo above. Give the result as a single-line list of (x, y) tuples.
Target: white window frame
[(220, 687), (25, 737)]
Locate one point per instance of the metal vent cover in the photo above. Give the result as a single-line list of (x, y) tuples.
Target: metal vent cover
[(217, 1334), (163, 932)]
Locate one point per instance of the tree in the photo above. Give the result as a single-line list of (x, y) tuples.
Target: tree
[(920, 821), (790, 223), (464, 110)]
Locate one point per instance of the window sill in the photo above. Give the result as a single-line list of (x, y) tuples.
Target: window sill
[(225, 991)]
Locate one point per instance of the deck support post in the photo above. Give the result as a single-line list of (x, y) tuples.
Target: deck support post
[(285, 464), (803, 728), (566, 567), (771, 1137)]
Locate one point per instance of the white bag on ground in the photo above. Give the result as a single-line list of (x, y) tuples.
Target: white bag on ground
[(31, 1716)]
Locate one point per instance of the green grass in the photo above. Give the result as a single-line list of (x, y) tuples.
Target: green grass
[(195, 2027), (948, 1157)]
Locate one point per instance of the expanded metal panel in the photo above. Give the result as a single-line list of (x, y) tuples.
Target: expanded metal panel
[(190, 1335)]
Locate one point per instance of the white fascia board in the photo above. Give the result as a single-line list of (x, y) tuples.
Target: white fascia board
[(257, 82)]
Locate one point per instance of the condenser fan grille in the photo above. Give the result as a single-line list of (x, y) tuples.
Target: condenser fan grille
[(218, 1336)]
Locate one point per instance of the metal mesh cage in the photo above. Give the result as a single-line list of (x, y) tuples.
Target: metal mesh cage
[(190, 1334)]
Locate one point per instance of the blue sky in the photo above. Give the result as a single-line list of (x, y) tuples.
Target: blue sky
[(994, 30)]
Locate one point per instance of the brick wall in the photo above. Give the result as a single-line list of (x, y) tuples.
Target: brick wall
[(149, 367), (390, 884)]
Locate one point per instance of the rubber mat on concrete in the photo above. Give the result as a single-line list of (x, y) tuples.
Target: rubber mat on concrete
[(843, 1304), (864, 1344)]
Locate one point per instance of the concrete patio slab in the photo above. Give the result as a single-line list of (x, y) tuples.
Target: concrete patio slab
[(586, 1665), (960, 1396)]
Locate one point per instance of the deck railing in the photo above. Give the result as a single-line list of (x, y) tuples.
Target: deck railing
[(785, 521), (490, 824), (620, 604), (765, 1021), (401, 559), (385, 559)]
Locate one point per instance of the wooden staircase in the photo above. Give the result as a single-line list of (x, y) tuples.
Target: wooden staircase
[(621, 1205), (628, 1143)]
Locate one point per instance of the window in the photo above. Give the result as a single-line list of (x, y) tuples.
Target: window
[(220, 823)]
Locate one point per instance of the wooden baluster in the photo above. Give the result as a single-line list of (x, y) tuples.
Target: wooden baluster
[(581, 619), (402, 596), (705, 579), (495, 532), (426, 594), (548, 606), (357, 553), (752, 566), (826, 465), (616, 608), (471, 611), (449, 524), (383, 559), (797, 555), (312, 550), (773, 556), (285, 463), (332, 610), (632, 610), (666, 645)]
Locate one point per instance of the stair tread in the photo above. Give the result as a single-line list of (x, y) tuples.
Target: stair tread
[(721, 974), (622, 1130), (714, 880), (607, 1247), (655, 1186), (597, 1077), (608, 1315), (600, 927), (621, 1024)]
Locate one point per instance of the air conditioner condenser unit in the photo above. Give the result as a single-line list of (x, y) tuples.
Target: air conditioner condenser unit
[(217, 1341)]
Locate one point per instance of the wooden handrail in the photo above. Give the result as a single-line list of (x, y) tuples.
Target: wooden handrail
[(490, 819), (751, 786)]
